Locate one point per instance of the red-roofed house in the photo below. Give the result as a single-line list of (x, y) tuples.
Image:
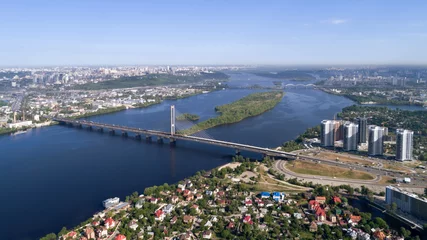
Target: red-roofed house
[(72, 235), (186, 192), (120, 237), (313, 204), (320, 199), (159, 215), (230, 225), (109, 223), (320, 214), (248, 203), (336, 200), (354, 220), (247, 219)]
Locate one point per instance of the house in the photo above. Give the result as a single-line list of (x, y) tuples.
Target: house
[(181, 186), (207, 234), (379, 235), (109, 223), (320, 214), (188, 184), (173, 220), (209, 193), (133, 225), (179, 190), (199, 196), (188, 219), (248, 203), (96, 223), (221, 202), (320, 199), (313, 227), (297, 215), (89, 233), (196, 207), (174, 199), (230, 225), (189, 198), (159, 215), (154, 200), (102, 232), (265, 195), (247, 219), (336, 200), (186, 192), (313, 204), (221, 194), (354, 220), (138, 205), (120, 237), (208, 224), (168, 209), (332, 218), (263, 227), (72, 235), (185, 236), (214, 219), (278, 196)]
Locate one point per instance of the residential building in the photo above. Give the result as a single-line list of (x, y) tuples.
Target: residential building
[(362, 129), (407, 202), (351, 131), (376, 141), (327, 138), (404, 144)]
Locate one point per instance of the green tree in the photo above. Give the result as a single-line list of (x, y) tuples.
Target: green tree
[(50, 236), (63, 231)]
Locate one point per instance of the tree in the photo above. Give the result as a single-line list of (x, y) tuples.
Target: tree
[(425, 192), (393, 207), (63, 231), (404, 232), (50, 236)]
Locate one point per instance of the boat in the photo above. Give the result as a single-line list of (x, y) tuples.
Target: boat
[(110, 202), (18, 132)]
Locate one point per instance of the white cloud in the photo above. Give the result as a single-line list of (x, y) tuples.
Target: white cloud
[(335, 21)]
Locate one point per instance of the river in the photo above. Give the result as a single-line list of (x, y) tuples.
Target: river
[(57, 176)]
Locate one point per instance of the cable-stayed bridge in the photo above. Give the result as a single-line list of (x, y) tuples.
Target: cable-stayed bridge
[(172, 136)]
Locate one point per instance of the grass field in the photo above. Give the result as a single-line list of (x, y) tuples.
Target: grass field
[(326, 170), (343, 158)]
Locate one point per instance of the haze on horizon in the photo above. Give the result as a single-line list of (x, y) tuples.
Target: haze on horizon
[(36, 33)]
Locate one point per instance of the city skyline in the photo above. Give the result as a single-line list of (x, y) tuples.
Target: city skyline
[(213, 33)]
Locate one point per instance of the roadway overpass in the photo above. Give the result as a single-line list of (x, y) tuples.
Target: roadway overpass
[(173, 137)]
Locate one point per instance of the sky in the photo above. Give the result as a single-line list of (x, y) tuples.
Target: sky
[(182, 32)]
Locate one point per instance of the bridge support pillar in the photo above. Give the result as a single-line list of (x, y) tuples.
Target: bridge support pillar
[(237, 152), (124, 134), (138, 137), (101, 130), (172, 141), (159, 140), (112, 132), (148, 138), (90, 128), (79, 126)]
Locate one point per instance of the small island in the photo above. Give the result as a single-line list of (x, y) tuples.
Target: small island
[(293, 75), (249, 106), (188, 116)]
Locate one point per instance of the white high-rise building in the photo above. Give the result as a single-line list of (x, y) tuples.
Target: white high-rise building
[(350, 136), (404, 144), (376, 140), (327, 138)]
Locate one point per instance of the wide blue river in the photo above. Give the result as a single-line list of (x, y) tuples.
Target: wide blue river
[(58, 176)]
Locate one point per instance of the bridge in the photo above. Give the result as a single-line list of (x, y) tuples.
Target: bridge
[(171, 136)]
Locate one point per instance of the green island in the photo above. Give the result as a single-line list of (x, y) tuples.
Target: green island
[(287, 75), (151, 80), (249, 106), (188, 116)]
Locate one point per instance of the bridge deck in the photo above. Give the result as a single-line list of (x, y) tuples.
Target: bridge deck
[(238, 146)]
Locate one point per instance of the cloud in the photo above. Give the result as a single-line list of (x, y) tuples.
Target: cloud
[(335, 21)]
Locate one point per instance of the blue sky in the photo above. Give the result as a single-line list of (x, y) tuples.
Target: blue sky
[(213, 32)]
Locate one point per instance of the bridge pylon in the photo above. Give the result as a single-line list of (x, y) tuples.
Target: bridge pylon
[(173, 118)]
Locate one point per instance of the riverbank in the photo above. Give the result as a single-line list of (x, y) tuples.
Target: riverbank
[(249, 106)]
